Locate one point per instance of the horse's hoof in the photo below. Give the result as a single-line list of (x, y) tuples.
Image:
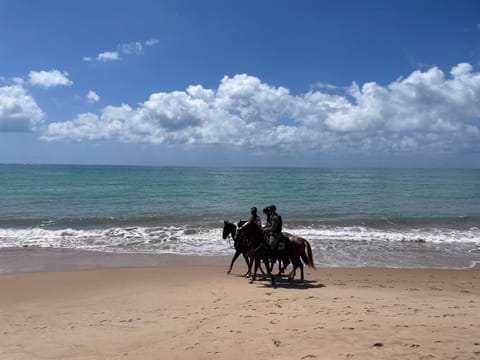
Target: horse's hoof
[(228, 272), (250, 282)]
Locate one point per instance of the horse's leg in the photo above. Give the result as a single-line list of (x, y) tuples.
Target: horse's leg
[(296, 263), (257, 262), (265, 260), (301, 272), (264, 274), (285, 262), (249, 262), (291, 275), (271, 264), (280, 265), (249, 266), (237, 254), (279, 259)]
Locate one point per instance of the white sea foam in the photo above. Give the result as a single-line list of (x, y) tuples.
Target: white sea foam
[(208, 241), (360, 233), (133, 239)]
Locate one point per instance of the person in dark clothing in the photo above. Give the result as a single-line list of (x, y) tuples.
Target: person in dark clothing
[(254, 218), (274, 228)]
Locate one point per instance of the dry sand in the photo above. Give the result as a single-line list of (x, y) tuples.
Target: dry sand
[(199, 312)]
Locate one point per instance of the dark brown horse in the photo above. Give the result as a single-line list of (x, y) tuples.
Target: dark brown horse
[(295, 248), (239, 245)]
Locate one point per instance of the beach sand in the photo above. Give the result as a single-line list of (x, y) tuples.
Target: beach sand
[(182, 308)]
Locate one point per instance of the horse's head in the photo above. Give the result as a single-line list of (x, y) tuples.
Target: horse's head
[(228, 229)]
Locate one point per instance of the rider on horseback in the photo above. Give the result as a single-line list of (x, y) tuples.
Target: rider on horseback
[(254, 218), (274, 229), (268, 219)]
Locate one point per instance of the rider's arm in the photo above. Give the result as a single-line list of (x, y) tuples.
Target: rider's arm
[(273, 226), (250, 219)]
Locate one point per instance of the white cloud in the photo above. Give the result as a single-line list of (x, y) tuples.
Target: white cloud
[(108, 56), (326, 86), (92, 96), (426, 111), (127, 49), (152, 42), (51, 78), (18, 110), (133, 48), (18, 81)]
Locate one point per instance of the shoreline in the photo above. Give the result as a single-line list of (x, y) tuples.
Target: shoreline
[(28, 260), (37, 259)]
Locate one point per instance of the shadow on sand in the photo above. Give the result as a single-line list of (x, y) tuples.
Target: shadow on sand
[(281, 281)]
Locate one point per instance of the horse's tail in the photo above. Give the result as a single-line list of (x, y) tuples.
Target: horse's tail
[(309, 260), (305, 257)]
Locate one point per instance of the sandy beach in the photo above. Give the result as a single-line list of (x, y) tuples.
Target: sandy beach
[(184, 309)]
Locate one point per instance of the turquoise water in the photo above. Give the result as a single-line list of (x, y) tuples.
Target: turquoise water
[(170, 209)]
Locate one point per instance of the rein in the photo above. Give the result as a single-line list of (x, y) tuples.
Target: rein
[(230, 241), (258, 248)]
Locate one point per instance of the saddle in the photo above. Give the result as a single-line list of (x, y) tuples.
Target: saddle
[(282, 243)]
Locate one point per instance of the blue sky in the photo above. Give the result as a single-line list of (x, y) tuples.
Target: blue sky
[(262, 83)]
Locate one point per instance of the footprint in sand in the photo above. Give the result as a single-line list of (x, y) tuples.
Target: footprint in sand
[(425, 357)]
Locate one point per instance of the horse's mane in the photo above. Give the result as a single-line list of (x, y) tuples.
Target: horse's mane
[(252, 227)]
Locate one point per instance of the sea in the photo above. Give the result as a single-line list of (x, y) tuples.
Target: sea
[(400, 218)]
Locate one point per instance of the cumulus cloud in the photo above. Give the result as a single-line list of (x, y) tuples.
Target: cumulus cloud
[(48, 79), (426, 111), (126, 49), (92, 97), (18, 110), (108, 56)]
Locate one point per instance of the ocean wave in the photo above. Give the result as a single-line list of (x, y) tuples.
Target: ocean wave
[(207, 240), (153, 220), (394, 222)]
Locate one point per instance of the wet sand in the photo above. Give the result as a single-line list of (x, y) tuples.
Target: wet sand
[(181, 308)]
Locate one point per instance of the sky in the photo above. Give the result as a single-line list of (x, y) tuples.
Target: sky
[(241, 83)]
